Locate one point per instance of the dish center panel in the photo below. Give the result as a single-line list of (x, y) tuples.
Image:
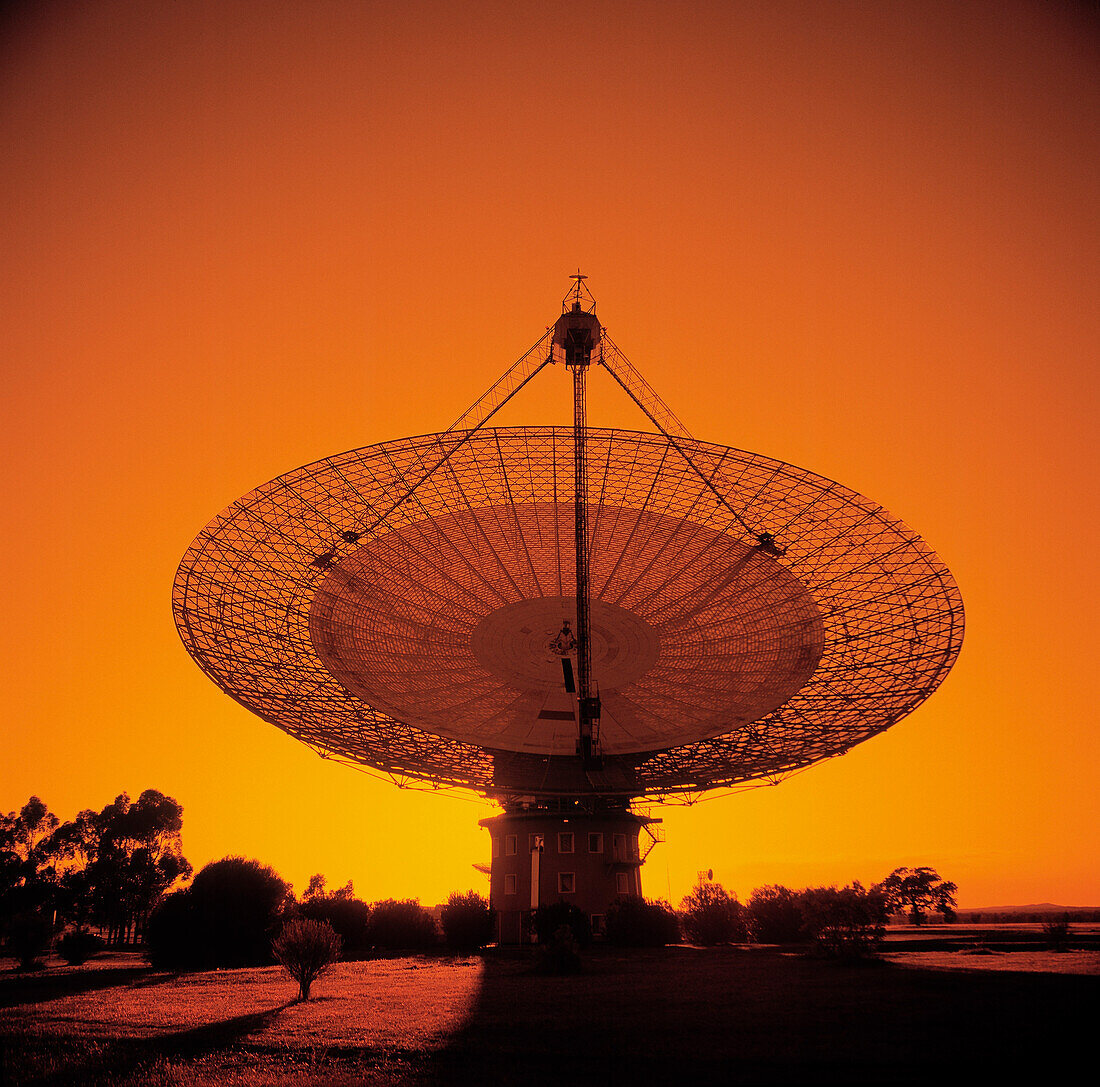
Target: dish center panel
[(462, 624), (526, 643)]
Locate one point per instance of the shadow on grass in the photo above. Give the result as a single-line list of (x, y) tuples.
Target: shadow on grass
[(39, 987), (55, 1061), (189, 1043), (731, 1016)]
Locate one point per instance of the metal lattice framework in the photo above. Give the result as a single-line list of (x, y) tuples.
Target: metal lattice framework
[(392, 606)]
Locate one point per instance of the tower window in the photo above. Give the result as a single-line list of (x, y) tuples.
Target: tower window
[(567, 883), (595, 843), (495, 839), (510, 884), (565, 841), (618, 845), (510, 845), (622, 883)]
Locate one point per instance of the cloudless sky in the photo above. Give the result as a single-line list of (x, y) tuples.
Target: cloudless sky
[(860, 237)]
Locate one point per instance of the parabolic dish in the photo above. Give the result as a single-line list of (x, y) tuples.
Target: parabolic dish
[(401, 607)]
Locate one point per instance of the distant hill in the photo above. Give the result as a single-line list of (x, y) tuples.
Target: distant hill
[(1037, 911)]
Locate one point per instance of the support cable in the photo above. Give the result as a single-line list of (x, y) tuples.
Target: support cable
[(662, 417), (481, 411)]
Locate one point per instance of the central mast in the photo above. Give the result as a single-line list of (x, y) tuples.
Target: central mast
[(577, 334)]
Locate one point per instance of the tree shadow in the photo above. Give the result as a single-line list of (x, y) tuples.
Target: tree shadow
[(46, 1062), (217, 1035)]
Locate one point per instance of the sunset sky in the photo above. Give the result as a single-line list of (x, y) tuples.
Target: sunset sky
[(859, 237)]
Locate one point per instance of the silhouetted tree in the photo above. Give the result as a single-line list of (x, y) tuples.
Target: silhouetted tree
[(137, 859), (317, 889), (29, 935), (402, 926), (108, 868), (306, 949), (711, 915), (27, 875), (226, 918), (74, 846), (845, 923), (775, 915), (348, 916), (917, 891), (112, 867), (467, 921), (635, 922)]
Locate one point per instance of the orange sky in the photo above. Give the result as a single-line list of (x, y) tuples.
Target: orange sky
[(859, 237)]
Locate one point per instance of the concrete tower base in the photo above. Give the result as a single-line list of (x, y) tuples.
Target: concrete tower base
[(541, 856)]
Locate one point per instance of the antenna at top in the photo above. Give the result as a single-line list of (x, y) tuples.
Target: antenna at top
[(578, 299)]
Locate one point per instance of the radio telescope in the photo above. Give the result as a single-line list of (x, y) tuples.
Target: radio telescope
[(568, 620)]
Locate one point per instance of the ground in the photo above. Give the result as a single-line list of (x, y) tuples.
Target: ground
[(677, 1015)]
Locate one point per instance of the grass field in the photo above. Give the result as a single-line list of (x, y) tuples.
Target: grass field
[(676, 1015)]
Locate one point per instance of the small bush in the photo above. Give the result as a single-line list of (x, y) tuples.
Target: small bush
[(848, 923), (634, 922), (549, 919), (711, 915), (775, 915), (78, 945), (467, 921), (29, 936), (402, 926), (306, 949), (560, 954)]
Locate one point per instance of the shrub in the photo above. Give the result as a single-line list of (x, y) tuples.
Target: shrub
[(775, 915), (171, 935), (306, 949), (711, 915), (634, 922), (547, 920), (78, 945), (237, 904), (560, 953), (224, 919), (28, 937), (1057, 933), (349, 918), (402, 926), (467, 921), (848, 923)]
